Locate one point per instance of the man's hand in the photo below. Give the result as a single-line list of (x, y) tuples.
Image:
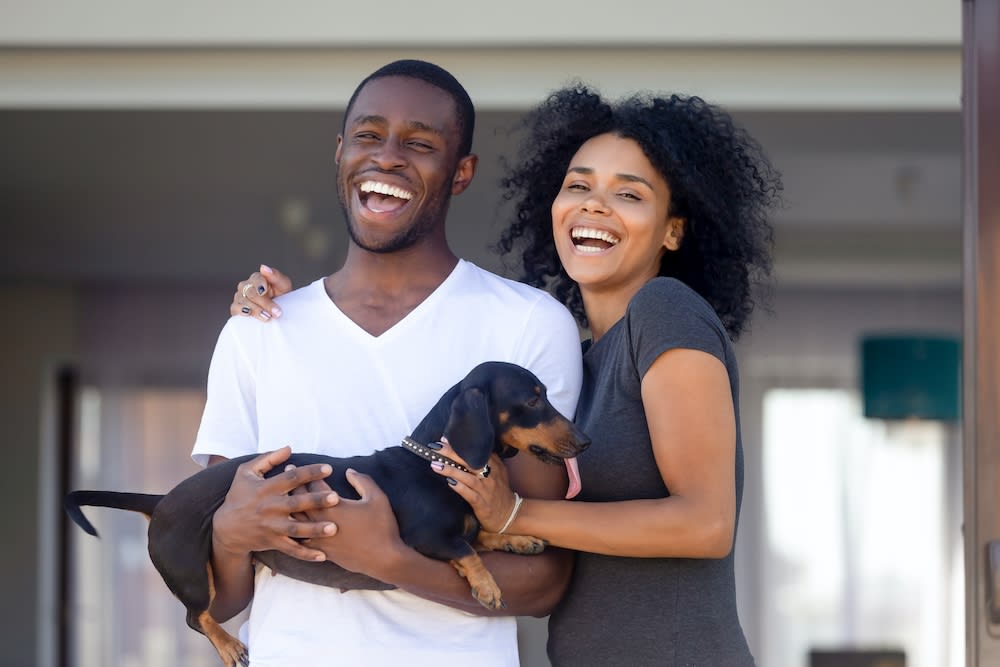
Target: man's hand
[(255, 296), (364, 527), (257, 513)]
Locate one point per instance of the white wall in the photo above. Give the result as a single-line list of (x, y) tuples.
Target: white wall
[(448, 23)]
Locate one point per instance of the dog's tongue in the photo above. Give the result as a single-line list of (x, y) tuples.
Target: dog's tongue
[(575, 485)]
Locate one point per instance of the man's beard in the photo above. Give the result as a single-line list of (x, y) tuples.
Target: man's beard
[(419, 228)]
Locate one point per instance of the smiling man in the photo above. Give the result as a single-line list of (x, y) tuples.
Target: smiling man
[(352, 365)]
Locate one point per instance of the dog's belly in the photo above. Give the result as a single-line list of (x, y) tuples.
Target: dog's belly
[(323, 574)]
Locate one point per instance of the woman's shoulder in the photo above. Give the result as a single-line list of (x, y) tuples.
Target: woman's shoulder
[(670, 305), (670, 293)]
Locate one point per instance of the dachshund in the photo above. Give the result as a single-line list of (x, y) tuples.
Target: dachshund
[(498, 407)]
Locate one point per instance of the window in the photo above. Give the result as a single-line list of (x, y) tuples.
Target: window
[(121, 612), (861, 530)]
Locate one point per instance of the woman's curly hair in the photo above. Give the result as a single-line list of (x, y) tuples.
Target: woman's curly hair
[(721, 184)]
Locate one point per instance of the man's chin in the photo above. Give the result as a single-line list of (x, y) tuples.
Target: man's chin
[(382, 246)]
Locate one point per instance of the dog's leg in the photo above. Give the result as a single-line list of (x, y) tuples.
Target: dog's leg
[(518, 544), (230, 649), (484, 586)]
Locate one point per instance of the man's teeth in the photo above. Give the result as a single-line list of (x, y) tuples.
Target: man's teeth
[(385, 189)]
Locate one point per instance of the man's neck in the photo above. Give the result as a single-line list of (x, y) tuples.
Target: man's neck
[(376, 291)]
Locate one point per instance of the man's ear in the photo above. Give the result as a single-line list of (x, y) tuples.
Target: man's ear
[(675, 234), (340, 144), (464, 172)]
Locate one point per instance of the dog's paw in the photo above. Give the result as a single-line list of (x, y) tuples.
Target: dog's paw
[(489, 597), (524, 544), (234, 654)]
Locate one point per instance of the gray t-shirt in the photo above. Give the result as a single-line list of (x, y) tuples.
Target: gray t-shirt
[(668, 612)]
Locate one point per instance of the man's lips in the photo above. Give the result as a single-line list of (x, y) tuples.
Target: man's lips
[(383, 188), (380, 197)]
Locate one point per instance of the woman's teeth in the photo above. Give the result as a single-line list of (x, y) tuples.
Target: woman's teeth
[(584, 238)]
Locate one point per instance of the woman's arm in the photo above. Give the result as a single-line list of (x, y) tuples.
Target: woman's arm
[(689, 408)]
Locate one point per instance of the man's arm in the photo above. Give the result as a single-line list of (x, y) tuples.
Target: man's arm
[(531, 585)]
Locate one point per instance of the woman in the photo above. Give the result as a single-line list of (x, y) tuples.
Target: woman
[(648, 219)]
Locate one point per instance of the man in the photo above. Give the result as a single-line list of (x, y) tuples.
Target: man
[(352, 365)]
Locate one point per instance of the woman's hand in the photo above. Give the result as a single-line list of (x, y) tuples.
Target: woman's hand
[(255, 296), (491, 497)]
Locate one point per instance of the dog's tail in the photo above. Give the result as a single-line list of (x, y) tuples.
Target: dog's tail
[(133, 502)]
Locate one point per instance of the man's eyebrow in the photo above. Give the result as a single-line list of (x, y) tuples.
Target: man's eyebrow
[(371, 118), (375, 119), (424, 127), (631, 178)]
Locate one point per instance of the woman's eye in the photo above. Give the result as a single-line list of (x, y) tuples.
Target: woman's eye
[(579, 187), (631, 195)]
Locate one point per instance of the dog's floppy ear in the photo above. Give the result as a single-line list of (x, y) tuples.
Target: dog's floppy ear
[(469, 430)]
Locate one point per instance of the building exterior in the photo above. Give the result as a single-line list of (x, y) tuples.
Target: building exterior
[(154, 153)]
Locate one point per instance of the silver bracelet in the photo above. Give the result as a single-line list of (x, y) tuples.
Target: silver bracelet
[(513, 513)]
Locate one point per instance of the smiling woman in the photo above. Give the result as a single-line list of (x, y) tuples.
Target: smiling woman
[(649, 218)]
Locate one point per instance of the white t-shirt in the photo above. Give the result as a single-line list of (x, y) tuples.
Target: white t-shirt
[(316, 381)]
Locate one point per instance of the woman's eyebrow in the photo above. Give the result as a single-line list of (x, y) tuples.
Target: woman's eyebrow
[(631, 178)]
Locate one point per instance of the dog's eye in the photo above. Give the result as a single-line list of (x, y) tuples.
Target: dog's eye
[(532, 402)]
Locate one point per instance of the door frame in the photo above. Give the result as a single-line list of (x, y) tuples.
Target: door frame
[(981, 300)]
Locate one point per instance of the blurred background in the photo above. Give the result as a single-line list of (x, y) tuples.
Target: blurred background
[(153, 154)]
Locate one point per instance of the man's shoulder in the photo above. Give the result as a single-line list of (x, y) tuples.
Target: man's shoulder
[(484, 282)]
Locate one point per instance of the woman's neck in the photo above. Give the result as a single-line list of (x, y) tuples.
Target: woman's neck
[(605, 307)]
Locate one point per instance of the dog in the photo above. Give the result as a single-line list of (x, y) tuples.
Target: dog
[(498, 407)]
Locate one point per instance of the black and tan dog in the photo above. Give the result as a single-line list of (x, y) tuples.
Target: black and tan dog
[(497, 407)]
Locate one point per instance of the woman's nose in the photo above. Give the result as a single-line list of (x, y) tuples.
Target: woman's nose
[(594, 204)]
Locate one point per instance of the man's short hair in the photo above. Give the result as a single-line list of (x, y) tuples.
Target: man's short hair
[(437, 77)]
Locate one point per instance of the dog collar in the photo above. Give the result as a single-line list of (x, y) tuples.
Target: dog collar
[(425, 452)]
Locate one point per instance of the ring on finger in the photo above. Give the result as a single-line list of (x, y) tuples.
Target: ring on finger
[(245, 288)]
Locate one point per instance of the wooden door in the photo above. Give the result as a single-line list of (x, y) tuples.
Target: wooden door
[(981, 384)]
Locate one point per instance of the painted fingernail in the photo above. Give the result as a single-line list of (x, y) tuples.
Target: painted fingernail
[(276, 311), (264, 315), (434, 445), (437, 465), (264, 268), (453, 482), (246, 310), (329, 529)]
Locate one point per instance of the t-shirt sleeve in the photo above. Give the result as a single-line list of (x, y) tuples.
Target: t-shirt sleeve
[(550, 348), (229, 423), (667, 314)]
